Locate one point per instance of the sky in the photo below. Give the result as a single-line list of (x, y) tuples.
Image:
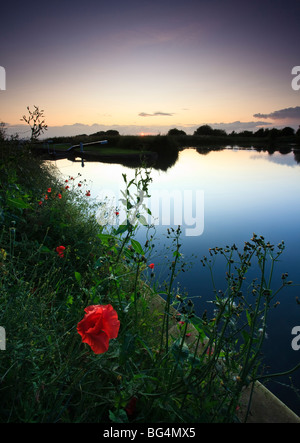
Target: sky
[(149, 66)]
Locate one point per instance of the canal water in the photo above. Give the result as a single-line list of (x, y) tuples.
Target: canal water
[(220, 197)]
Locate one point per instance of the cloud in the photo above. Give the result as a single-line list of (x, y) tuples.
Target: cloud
[(292, 113), (155, 114)]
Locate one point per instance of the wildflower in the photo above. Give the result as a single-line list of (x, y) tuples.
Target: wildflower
[(88, 193), (99, 325), (130, 407), (60, 251), (237, 378), (117, 213), (49, 190), (59, 195), (151, 266), (79, 184), (46, 197), (67, 187), (40, 202), (210, 351), (66, 181)]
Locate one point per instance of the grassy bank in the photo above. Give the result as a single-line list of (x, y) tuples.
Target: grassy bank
[(86, 340)]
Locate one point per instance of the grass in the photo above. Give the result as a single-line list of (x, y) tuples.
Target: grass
[(166, 364)]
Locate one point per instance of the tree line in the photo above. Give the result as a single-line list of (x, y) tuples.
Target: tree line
[(262, 132)]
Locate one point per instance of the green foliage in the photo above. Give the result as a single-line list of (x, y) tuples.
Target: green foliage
[(167, 364)]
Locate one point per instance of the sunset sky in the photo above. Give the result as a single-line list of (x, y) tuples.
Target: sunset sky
[(148, 66)]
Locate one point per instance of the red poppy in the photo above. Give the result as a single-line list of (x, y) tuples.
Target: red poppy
[(130, 407), (151, 266), (40, 202), (210, 351), (67, 187), (117, 213), (60, 251), (79, 184), (99, 325), (49, 190), (88, 193), (59, 195), (66, 181)]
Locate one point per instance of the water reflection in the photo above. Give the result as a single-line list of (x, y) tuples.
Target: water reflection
[(163, 159), (244, 191)]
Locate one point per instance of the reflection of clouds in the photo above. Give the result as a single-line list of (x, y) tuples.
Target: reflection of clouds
[(279, 159)]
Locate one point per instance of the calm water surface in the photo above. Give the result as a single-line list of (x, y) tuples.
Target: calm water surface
[(219, 199)]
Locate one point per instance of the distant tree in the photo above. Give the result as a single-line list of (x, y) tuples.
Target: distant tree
[(112, 132), (98, 134), (2, 131), (260, 132), (298, 132), (204, 130), (273, 133), (219, 132), (287, 131), (246, 133), (176, 131), (109, 132)]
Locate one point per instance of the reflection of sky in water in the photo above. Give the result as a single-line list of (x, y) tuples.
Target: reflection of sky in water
[(281, 159), (244, 192)]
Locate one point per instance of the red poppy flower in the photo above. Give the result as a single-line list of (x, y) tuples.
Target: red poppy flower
[(79, 184), (49, 190), (99, 325), (210, 351), (117, 213), (59, 195), (130, 407), (151, 266), (40, 202), (60, 251), (67, 187), (88, 193)]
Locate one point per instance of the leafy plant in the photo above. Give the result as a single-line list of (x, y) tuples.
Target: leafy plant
[(34, 120)]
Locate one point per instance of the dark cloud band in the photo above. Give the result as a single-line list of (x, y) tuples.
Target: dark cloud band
[(293, 113), (155, 114)]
